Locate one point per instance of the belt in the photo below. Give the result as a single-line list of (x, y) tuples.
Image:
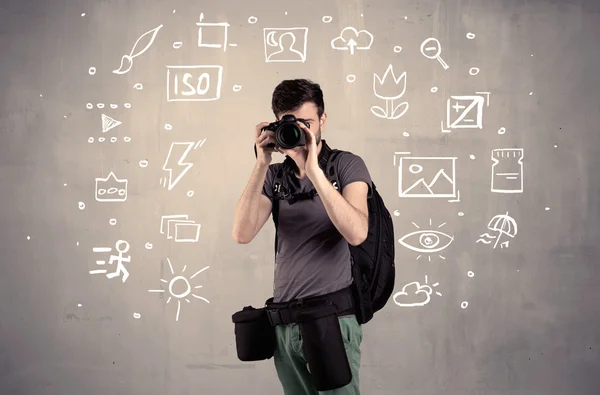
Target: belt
[(284, 313)]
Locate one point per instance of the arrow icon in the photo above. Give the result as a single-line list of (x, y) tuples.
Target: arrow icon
[(109, 123), (352, 45), (177, 170)]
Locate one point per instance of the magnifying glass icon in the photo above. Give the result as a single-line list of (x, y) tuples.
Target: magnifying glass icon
[(431, 49)]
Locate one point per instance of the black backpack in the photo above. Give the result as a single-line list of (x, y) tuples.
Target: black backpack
[(373, 268)]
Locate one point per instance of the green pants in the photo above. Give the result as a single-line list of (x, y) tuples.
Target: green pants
[(291, 365)]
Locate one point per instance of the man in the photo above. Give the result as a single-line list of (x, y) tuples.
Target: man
[(313, 258)]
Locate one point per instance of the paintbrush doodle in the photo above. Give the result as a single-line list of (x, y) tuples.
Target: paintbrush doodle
[(127, 60)]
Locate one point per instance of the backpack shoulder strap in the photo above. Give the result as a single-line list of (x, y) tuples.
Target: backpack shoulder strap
[(278, 194), (331, 169), (275, 213)]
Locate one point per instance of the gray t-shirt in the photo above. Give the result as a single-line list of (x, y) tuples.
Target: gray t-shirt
[(313, 257)]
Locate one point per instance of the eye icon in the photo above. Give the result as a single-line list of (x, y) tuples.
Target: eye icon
[(426, 241)]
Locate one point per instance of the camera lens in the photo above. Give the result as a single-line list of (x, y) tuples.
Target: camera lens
[(288, 135)]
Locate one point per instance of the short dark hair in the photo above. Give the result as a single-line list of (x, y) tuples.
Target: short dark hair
[(290, 95)]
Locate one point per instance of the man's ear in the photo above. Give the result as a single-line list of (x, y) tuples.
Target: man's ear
[(323, 120)]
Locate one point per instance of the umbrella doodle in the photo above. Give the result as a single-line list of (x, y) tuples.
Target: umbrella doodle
[(502, 224)]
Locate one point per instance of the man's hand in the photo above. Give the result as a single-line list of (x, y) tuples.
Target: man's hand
[(311, 161), (262, 139)]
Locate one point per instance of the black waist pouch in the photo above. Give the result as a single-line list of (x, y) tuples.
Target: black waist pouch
[(324, 347), (254, 335)]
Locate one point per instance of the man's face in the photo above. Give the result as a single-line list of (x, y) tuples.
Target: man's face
[(309, 112)]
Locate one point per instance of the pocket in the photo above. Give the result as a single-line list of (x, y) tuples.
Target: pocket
[(351, 331), (254, 334)]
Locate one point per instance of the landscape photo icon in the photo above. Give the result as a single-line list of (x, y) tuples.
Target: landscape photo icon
[(427, 177)]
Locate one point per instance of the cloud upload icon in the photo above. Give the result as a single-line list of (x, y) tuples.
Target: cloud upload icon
[(351, 39)]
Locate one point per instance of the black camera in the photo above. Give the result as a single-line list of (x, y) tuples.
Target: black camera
[(287, 132)]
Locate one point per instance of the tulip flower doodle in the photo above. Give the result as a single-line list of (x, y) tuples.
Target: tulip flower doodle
[(379, 89)]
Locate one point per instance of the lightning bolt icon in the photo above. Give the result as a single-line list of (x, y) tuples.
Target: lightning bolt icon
[(177, 170)]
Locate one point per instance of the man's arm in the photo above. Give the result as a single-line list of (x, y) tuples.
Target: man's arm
[(349, 210), (253, 209)]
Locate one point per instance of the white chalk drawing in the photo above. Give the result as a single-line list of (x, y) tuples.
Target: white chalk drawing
[(175, 165), (351, 40), (109, 123), (111, 189), (427, 177), (200, 83), (502, 224), (113, 139), (143, 163), (470, 36), (433, 89), (202, 26), (190, 193), (507, 170), (138, 86), (148, 246), (177, 44), (252, 20), (397, 49), (137, 316), (412, 299), (427, 241), (396, 154), (465, 112), (92, 70), (432, 49), (285, 44), (457, 198), (474, 71), (180, 228), (502, 130), (236, 88), (182, 279), (112, 221), (81, 205), (122, 247), (464, 305), (90, 106), (127, 60), (389, 93), (326, 19), (350, 78)]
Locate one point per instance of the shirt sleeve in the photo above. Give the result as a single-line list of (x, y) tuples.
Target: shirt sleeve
[(352, 168), (267, 189)]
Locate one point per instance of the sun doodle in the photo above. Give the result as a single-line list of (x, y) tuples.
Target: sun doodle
[(181, 282)]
